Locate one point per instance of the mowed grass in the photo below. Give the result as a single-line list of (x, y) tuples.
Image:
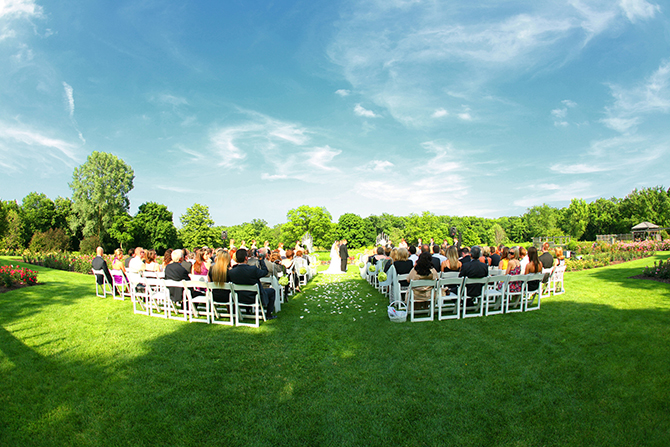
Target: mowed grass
[(591, 368)]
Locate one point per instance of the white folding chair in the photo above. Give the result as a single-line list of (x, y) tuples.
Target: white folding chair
[(445, 275), (385, 286), (476, 306), (174, 312), (274, 284), (139, 293), (412, 301), (545, 286), (514, 298), (120, 286), (530, 295), (106, 287), (157, 297), (494, 300), (223, 310), (256, 306), (449, 303), (558, 286), (195, 314), (402, 290)]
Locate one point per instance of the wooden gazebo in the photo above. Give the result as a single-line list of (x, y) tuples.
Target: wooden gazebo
[(646, 230)]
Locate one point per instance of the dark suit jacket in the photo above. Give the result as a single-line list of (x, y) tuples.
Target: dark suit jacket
[(99, 263), (344, 253), (249, 275), (176, 272), (437, 265), (474, 269)]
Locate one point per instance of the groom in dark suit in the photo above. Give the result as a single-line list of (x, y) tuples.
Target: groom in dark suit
[(344, 255)]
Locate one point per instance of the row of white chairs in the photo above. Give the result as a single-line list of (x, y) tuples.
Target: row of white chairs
[(497, 294), (134, 286)]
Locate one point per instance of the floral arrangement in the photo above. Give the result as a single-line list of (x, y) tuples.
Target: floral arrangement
[(382, 276), (372, 268), (283, 281), (303, 270), (361, 264), (11, 275)]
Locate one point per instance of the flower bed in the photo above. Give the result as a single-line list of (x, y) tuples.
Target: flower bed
[(660, 271), (11, 276), (601, 254)]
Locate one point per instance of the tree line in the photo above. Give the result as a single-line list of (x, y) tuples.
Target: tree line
[(98, 214)]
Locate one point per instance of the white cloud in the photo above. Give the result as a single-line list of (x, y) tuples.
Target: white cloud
[(343, 92), (557, 193), (170, 99), (19, 8), (361, 111), (439, 113), (465, 116), (578, 168), (70, 98), (638, 9), (321, 157), (569, 103), (650, 96), (377, 166), (559, 113), (33, 144), (561, 123)]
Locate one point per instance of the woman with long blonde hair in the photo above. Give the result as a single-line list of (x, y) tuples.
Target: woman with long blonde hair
[(219, 274)]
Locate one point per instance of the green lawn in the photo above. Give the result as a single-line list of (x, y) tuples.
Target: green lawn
[(591, 368)]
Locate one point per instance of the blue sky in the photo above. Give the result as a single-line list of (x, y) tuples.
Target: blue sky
[(253, 108)]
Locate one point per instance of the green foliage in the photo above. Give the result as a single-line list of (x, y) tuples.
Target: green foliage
[(357, 231), (3, 219), (122, 230), (14, 235), (575, 218), (89, 244), (315, 220), (153, 228), (542, 221), (604, 218), (37, 211), (197, 228), (257, 230), (50, 240), (100, 190)]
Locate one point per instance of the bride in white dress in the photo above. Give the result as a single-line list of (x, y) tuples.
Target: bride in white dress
[(334, 267)]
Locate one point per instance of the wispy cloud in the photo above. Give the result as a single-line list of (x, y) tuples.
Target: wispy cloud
[(439, 113), (362, 111), (165, 98), (343, 92), (33, 144), (650, 96), (19, 8), (69, 97), (638, 9), (321, 158), (377, 166), (556, 193), (578, 168)]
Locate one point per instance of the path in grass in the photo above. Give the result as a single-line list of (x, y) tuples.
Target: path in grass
[(589, 368)]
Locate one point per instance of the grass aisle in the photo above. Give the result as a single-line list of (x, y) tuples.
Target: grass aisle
[(590, 368)]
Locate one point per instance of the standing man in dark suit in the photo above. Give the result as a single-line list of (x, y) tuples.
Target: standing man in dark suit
[(344, 255), (249, 275), (99, 263), (474, 269)]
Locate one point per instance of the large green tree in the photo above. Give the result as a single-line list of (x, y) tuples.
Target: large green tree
[(647, 204), (575, 218), (313, 219), (197, 228), (542, 221), (154, 228), (38, 212), (357, 231), (100, 190)]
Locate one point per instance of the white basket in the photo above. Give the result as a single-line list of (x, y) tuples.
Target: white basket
[(397, 311)]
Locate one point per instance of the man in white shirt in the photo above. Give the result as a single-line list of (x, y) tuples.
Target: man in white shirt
[(136, 264)]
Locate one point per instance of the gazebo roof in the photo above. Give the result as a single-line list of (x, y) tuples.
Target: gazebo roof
[(645, 226)]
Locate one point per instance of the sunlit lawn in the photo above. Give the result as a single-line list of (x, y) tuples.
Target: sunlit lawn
[(592, 367)]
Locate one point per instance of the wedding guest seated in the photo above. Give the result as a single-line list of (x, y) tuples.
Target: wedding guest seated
[(175, 271), (117, 264), (560, 259), (466, 256), (273, 262), (451, 263), (438, 259), (402, 264), (486, 256), (546, 258), (514, 268), (99, 263), (523, 258), (131, 252), (151, 264), (219, 274), (533, 266), (495, 257), (504, 259), (136, 264), (474, 269), (188, 266), (199, 266), (289, 264), (167, 258), (412, 254), (423, 270), (245, 274)]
